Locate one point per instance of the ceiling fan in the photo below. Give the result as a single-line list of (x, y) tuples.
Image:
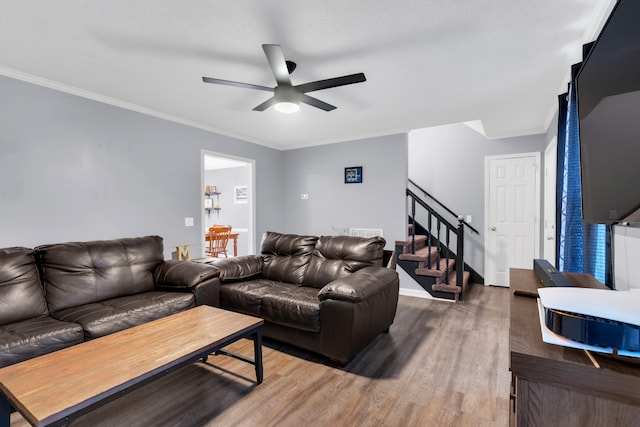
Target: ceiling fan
[(287, 97)]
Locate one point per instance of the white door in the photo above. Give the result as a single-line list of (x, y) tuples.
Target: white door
[(511, 240), (550, 161)]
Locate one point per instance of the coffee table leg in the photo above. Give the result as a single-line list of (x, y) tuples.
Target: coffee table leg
[(5, 411), (257, 355)]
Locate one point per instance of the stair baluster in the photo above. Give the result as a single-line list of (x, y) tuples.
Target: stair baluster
[(446, 263), (460, 251), (430, 233), (413, 228), (438, 244)]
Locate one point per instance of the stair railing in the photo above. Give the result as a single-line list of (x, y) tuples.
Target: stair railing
[(439, 203), (435, 237), (457, 230)]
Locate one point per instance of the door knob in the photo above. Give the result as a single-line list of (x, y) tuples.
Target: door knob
[(493, 229)]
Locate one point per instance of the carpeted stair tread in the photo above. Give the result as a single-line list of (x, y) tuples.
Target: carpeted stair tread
[(444, 287), (451, 287), (420, 242), (465, 277), (417, 238), (421, 255), (435, 272)]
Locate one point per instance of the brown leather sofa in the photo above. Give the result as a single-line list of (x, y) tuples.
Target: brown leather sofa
[(332, 295), (58, 295)]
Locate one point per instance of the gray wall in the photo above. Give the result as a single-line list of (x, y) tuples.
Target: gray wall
[(379, 202), (76, 169), (448, 162)]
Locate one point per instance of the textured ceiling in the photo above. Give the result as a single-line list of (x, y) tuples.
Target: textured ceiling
[(427, 62)]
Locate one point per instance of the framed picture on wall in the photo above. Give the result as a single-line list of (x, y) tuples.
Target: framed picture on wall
[(353, 175), (241, 194), (208, 203)]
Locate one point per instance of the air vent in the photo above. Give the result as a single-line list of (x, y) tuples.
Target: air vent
[(365, 232)]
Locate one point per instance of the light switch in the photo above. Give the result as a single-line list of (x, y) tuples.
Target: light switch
[(188, 221)]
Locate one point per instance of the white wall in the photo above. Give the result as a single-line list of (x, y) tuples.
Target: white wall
[(76, 169), (448, 162), (626, 252), (379, 202)]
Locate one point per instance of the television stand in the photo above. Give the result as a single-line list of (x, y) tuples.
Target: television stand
[(555, 385)]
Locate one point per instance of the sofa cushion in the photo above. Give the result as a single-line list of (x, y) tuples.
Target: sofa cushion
[(293, 306), (113, 315), (34, 337), (89, 272), (336, 257), (286, 256), (244, 297), (276, 302), (21, 293)]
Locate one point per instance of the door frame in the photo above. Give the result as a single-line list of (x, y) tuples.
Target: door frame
[(251, 233), (550, 151), (536, 217)]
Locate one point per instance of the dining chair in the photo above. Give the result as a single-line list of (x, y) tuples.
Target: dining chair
[(218, 239)]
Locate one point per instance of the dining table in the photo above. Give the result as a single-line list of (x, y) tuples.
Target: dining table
[(232, 236)]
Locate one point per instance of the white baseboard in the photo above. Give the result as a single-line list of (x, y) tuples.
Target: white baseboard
[(421, 294), (415, 293)]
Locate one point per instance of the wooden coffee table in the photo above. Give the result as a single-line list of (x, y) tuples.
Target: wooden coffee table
[(58, 387)]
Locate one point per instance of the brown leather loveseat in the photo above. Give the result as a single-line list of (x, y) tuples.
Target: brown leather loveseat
[(58, 295), (332, 295)]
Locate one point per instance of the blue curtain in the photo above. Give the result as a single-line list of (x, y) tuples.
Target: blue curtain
[(581, 247)]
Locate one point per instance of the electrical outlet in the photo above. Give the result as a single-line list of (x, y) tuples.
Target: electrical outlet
[(467, 219), (188, 222)]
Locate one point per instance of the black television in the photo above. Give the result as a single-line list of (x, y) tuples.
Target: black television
[(608, 95)]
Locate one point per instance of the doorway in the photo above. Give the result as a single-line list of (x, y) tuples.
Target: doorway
[(228, 187), (512, 203)]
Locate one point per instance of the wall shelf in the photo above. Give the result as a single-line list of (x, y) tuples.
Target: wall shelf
[(212, 202)]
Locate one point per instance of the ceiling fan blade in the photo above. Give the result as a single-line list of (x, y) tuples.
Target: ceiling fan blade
[(278, 65), (266, 104), (315, 102), (334, 82), (238, 84)]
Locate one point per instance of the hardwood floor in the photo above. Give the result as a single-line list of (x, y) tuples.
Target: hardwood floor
[(442, 364)]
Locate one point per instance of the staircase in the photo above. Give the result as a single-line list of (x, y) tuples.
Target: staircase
[(434, 255)]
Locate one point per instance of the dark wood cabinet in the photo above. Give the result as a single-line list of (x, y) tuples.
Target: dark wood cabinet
[(554, 385)]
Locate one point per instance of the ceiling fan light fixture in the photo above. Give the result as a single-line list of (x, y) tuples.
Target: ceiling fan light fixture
[(287, 107), (286, 97)]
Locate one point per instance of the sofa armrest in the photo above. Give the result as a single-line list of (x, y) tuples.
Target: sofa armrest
[(360, 285), (238, 268), (390, 259), (355, 309), (182, 274)]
